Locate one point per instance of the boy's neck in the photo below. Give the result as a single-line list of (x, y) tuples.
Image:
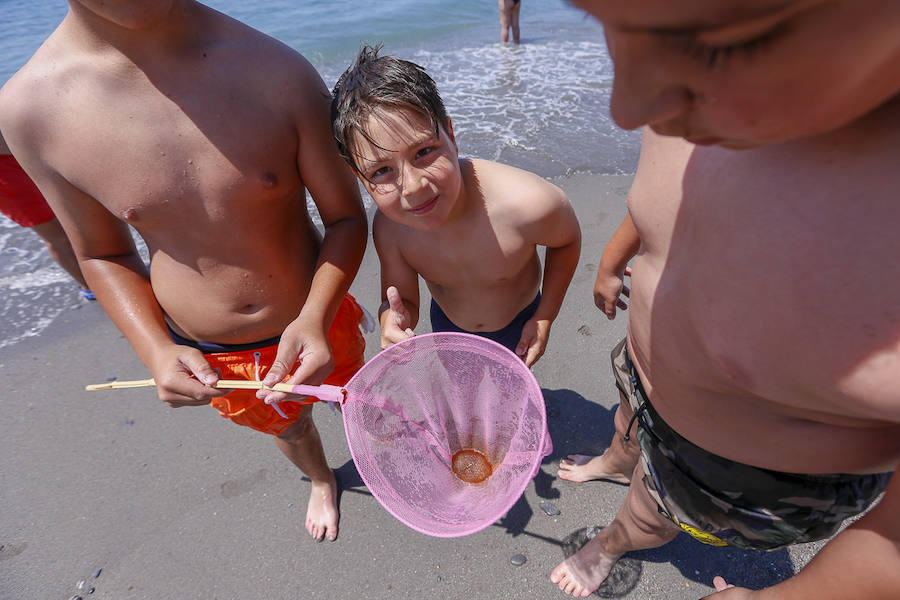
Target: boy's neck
[(149, 36)]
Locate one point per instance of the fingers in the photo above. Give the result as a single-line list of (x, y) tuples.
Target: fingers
[(627, 272), (392, 335), (626, 291), (184, 378)]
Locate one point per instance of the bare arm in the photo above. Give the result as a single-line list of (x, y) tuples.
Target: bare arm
[(336, 194), (110, 264), (559, 232), (399, 310), (620, 249), (862, 562)]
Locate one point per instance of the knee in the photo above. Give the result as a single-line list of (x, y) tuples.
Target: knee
[(299, 430)]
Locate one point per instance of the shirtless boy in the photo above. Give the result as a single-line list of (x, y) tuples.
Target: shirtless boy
[(469, 227), (763, 346), (156, 115)]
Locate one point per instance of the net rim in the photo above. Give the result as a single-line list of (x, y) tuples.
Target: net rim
[(519, 489)]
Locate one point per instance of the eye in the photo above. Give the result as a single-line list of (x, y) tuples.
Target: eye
[(379, 173), (424, 152), (712, 57)]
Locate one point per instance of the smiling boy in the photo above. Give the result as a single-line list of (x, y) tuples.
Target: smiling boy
[(470, 228), (763, 350)]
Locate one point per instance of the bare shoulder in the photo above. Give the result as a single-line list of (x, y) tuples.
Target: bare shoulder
[(273, 68), (29, 100), (386, 233), (505, 186)]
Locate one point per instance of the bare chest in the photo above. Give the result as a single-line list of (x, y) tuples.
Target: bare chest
[(216, 155), (782, 284), (483, 258)]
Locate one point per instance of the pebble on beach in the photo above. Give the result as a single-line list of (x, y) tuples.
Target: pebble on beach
[(549, 508), (517, 559)]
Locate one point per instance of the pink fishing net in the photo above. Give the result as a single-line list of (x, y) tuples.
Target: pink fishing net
[(418, 403)]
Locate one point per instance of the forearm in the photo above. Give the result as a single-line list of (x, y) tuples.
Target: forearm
[(861, 563), (559, 267), (122, 286), (858, 564), (621, 248), (340, 255)]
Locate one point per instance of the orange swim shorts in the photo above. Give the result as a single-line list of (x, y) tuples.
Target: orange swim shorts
[(20, 199), (244, 408)]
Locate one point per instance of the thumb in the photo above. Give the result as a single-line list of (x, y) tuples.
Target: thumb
[(199, 368), (720, 584), (285, 358), (394, 299)]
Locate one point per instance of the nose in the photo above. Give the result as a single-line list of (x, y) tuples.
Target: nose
[(643, 91), (412, 180)]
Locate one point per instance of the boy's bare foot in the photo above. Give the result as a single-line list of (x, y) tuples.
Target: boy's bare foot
[(322, 512), (582, 467), (583, 572)]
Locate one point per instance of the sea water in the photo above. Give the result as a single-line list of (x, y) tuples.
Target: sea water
[(541, 105)]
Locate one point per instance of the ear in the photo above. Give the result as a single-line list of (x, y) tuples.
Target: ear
[(450, 133)]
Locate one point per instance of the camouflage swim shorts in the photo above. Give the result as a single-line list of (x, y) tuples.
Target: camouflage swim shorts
[(722, 502)]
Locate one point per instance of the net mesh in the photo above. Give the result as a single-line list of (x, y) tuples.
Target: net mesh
[(418, 403)]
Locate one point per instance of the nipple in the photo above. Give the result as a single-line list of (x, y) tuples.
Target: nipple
[(269, 179)]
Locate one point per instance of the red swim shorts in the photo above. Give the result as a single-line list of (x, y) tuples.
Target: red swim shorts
[(20, 199), (244, 408)]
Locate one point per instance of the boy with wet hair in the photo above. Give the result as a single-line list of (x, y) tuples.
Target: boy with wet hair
[(470, 228), (760, 375), (157, 115)]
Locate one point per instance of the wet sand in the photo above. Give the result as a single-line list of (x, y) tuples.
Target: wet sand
[(181, 504)]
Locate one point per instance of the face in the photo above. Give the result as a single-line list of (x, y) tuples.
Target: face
[(412, 174), (747, 72)]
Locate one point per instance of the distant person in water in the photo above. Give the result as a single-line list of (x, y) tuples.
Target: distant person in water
[(509, 19), (21, 201)]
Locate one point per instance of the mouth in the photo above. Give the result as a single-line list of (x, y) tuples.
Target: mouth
[(425, 207)]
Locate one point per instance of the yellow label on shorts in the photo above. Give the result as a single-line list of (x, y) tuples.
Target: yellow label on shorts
[(702, 536)]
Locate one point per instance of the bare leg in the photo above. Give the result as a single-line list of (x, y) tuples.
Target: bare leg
[(514, 21), (302, 445), (505, 11), (637, 526), (616, 464), (60, 249)]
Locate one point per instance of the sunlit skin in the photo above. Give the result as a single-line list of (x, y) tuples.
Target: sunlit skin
[(157, 115), (764, 299), (740, 74), (470, 228)]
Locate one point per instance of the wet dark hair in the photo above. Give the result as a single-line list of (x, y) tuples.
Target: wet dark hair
[(375, 84)]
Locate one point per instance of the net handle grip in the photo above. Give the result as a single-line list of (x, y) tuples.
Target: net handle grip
[(328, 393)]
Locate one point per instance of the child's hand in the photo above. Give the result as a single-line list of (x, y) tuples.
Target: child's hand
[(395, 320), (304, 344), (607, 289), (533, 342), (183, 377)]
